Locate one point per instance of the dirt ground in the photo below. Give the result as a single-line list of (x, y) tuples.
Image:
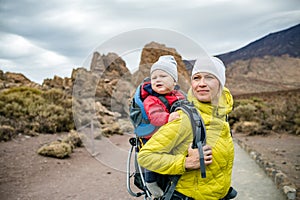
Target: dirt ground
[(26, 175)]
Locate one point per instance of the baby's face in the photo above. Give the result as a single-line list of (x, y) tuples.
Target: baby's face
[(162, 82)]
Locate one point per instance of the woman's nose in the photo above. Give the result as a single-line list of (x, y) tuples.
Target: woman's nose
[(202, 81)]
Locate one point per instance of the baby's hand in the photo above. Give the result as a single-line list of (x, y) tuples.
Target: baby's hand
[(173, 116)]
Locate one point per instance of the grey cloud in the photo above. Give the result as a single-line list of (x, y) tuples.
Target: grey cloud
[(220, 26)]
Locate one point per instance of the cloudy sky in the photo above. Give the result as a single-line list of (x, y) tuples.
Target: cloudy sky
[(45, 38)]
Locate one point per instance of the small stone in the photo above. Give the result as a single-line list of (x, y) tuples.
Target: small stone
[(290, 192)]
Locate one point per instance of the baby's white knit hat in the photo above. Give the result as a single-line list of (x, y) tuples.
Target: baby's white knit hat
[(168, 64), (212, 65)]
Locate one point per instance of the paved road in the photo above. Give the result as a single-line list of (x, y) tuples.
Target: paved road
[(250, 180)]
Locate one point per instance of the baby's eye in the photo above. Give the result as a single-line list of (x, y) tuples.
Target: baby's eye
[(196, 78)]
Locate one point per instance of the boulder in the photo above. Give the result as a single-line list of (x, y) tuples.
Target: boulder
[(58, 82)]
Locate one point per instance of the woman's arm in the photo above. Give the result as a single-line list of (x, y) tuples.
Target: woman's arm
[(166, 151), (169, 152), (158, 153)]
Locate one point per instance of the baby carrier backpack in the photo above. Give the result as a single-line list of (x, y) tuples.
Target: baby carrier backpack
[(138, 115), (142, 127)]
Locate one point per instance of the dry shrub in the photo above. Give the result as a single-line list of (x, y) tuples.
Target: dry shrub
[(62, 148), (31, 111), (56, 149), (244, 112), (111, 129), (6, 133), (276, 112), (74, 139), (248, 127), (247, 110)]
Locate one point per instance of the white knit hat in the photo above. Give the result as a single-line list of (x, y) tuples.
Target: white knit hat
[(212, 65), (168, 64)]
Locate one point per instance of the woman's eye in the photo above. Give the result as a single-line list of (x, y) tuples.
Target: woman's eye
[(209, 77)]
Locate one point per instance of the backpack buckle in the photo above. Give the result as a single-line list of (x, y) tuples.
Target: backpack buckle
[(132, 141)]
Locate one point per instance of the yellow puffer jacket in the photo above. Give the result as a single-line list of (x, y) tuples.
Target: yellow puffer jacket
[(165, 152)]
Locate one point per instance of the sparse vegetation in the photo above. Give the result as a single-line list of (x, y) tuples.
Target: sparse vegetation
[(62, 148), (31, 111), (263, 113)]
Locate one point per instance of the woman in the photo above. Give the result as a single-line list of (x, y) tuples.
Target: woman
[(169, 151)]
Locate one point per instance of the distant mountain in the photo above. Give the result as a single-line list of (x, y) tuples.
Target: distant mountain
[(285, 42), (269, 64)]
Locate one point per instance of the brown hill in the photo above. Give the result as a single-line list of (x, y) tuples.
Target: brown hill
[(263, 74), (269, 64)]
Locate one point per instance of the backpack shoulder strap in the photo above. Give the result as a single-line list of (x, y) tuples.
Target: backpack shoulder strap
[(199, 131), (164, 100), (170, 190), (139, 102), (197, 123), (199, 140)]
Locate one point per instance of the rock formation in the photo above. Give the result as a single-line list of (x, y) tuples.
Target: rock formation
[(10, 79), (150, 54), (59, 83)]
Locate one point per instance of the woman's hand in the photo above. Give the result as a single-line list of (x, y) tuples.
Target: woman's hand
[(192, 160)]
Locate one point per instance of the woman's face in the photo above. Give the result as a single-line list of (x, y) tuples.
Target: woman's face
[(162, 82), (205, 87)]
